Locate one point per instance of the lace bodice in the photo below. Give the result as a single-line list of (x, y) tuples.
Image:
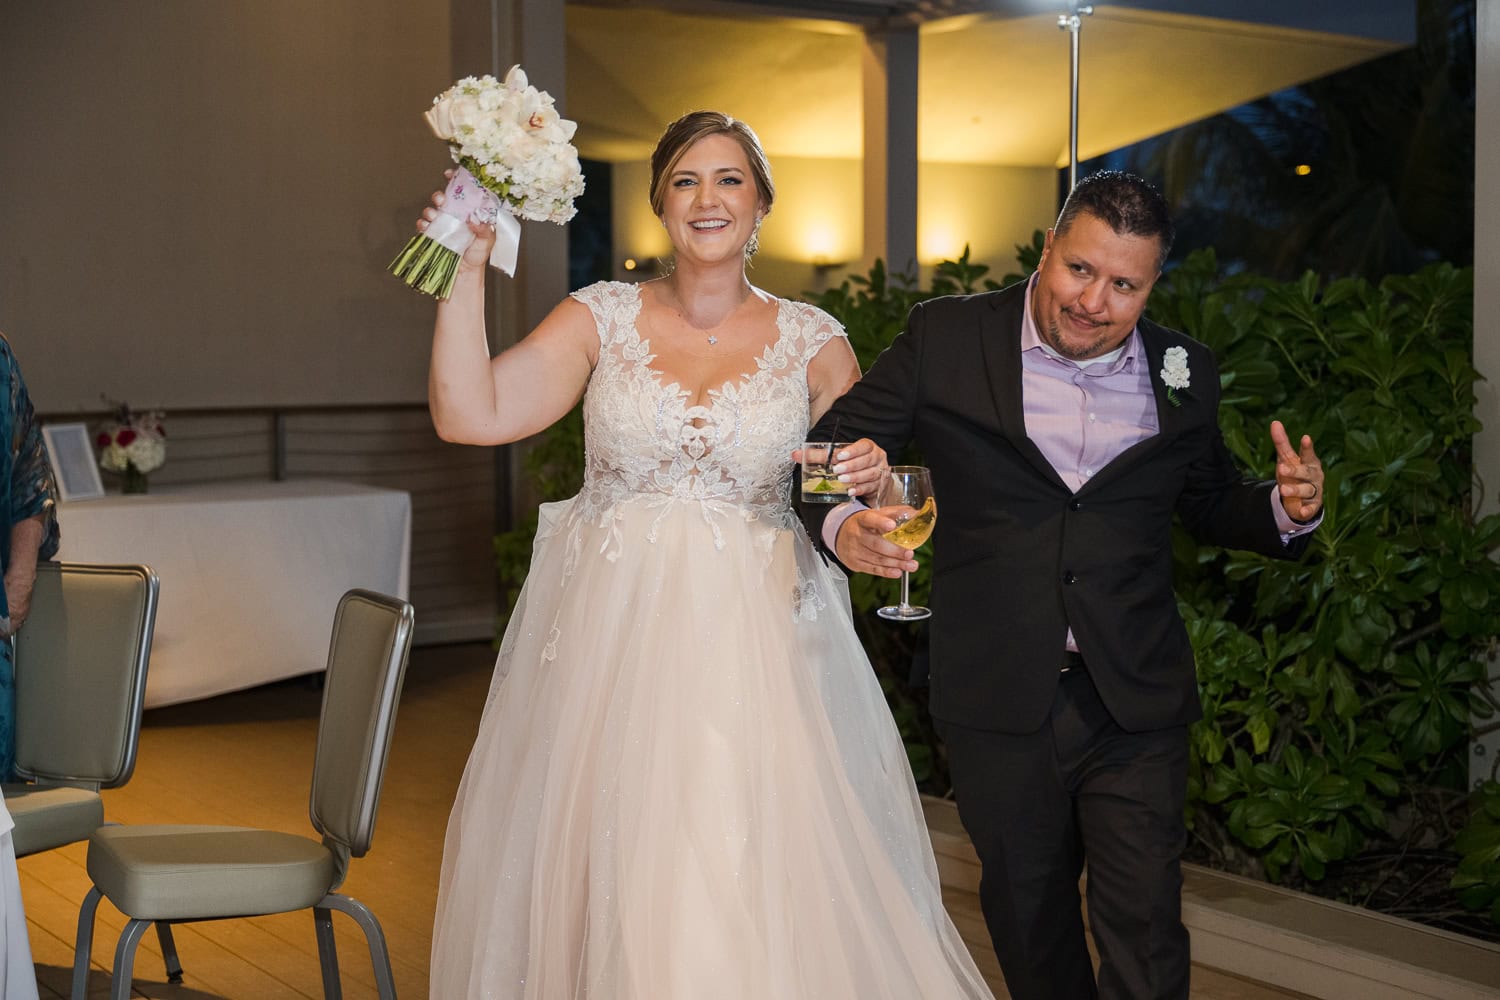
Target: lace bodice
[(643, 439)]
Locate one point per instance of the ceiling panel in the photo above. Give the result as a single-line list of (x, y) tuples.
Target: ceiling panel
[(993, 88)]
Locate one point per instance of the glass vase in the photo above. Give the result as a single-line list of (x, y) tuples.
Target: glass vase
[(135, 479)]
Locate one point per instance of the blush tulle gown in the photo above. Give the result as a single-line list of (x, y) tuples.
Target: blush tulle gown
[(686, 783)]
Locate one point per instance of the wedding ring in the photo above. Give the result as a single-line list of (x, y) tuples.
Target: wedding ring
[(1315, 492)]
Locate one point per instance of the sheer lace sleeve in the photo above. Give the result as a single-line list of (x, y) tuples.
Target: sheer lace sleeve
[(813, 329), (610, 302)]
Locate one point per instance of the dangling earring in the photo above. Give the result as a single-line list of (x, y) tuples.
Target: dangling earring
[(752, 245)]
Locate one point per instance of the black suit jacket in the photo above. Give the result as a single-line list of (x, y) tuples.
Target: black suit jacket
[(1017, 556)]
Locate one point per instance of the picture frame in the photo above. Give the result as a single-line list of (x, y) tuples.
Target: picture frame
[(71, 453)]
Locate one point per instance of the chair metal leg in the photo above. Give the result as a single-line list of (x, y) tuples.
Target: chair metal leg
[(328, 953), (380, 957), (83, 943), (130, 938), (169, 952)]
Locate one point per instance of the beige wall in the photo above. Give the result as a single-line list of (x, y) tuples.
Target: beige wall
[(198, 200), (992, 208)]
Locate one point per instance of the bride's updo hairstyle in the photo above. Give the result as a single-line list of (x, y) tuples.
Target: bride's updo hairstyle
[(696, 125)]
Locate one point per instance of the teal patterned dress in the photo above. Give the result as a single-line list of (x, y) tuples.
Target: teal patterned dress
[(29, 490)]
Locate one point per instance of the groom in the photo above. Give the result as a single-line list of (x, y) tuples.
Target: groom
[(1063, 432)]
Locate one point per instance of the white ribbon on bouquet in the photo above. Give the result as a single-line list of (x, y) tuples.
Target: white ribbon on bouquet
[(465, 199)]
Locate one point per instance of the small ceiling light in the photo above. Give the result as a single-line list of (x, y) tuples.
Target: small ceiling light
[(630, 264), (1302, 169)]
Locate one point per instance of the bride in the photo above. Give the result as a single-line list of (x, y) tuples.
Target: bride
[(686, 783)]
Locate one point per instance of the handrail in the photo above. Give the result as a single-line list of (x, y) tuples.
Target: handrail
[(277, 415)]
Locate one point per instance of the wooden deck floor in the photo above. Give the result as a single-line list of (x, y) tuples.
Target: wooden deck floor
[(246, 759)]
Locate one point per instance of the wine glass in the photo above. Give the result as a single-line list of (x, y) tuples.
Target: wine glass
[(908, 487)]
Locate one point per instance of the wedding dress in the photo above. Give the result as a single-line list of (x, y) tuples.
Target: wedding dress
[(686, 783), (17, 974)]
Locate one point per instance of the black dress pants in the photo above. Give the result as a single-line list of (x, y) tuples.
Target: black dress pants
[(1037, 807)]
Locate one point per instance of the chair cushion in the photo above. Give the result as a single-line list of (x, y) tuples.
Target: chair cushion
[(48, 817), (204, 872)]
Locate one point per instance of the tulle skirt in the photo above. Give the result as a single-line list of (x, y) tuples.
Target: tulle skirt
[(687, 784)]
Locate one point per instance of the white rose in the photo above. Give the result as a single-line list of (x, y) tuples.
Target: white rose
[(464, 112), (440, 118)]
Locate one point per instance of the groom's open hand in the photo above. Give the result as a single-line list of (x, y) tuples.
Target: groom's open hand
[(1299, 475), (861, 548)]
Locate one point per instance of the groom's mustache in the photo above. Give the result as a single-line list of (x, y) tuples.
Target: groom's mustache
[(1081, 318)]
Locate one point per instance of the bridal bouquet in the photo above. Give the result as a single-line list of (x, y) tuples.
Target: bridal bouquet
[(514, 159), (134, 445)]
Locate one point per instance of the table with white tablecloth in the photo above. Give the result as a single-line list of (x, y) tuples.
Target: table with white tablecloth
[(251, 573)]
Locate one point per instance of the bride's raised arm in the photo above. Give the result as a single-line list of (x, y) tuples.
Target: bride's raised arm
[(477, 399)]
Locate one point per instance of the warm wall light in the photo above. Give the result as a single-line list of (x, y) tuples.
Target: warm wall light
[(641, 267), (821, 244), (937, 242), (1302, 169)]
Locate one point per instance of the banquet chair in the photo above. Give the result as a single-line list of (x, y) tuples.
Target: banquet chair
[(181, 873), (80, 685)]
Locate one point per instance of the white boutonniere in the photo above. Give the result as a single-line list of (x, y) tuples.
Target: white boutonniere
[(1174, 373)]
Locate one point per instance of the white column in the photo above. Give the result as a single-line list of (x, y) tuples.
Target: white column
[(889, 71), (1485, 751)]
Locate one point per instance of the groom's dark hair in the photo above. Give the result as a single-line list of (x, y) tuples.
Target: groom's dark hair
[(1124, 202)]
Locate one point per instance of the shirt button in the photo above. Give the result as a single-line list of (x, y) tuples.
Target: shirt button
[(1088, 472), (1074, 505), (1069, 578), (1093, 417)]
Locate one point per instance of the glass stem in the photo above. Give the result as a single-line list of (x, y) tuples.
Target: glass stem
[(905, 591)]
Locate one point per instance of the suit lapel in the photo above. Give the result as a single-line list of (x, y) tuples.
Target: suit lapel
[(1000, 347)]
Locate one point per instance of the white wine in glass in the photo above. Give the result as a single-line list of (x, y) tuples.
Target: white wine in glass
[(908, 487)]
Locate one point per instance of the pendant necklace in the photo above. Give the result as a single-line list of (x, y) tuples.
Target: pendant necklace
[(710, 331)]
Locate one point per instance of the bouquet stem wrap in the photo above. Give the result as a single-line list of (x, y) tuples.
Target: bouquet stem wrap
[(429, 261)]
